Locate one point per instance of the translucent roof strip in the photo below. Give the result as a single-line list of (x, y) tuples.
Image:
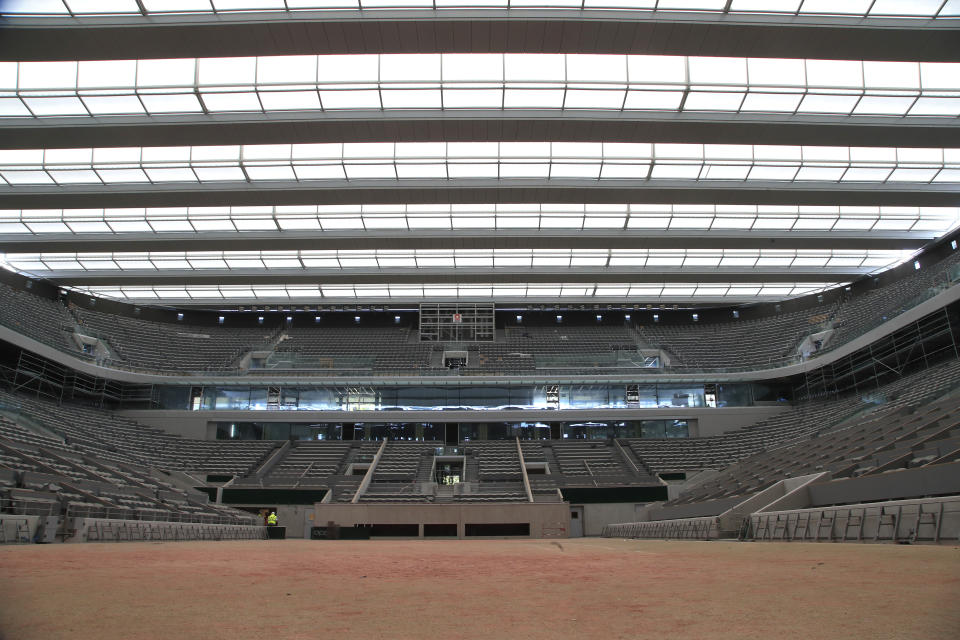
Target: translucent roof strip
[(861, 8), (643, 292), (478, 160), (393, 219), (478, 81), (866, 261)]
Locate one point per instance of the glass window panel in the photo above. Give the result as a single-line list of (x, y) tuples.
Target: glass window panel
[(107, 73), (688, 172), (712, 101), (710, 5), (287, 69), (408, 67), (524, 170), (814, 103), (226, 71), (772, 102), (472, 98), (827, 7), (171, 103), (411, 99), (367, 171), (883, 105), (171, 175), (539, 67), (422, 170), (26, 177), (13, 107), (579, 170), (533, 98), (177, 72), (653, 100), (246, 101), (48, 75), (717, 71), (936, 107), (657, 69), (35, 7), (66, 106), (830, 174), (905, 7), (593, 99), (281, 100), (282, 172), (776, 71), (319, 172), (834, 73), (350, 69), (122, 175), (890, 75), (866, 174), (772, 173), (948, 175), (596, 68), (109, 105), (939, 75), (213, 174), (484, 67), (912, 175)]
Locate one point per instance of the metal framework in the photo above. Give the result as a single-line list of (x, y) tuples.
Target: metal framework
[(201, 151)]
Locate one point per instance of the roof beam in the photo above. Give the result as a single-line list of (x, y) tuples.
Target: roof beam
[(479, 191), (478, 30), (462, 276), (474, 239), (480, 125)]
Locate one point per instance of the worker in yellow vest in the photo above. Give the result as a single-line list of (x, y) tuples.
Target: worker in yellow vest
[(272, 519)]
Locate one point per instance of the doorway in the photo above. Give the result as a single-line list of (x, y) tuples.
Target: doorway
[(576, 522)]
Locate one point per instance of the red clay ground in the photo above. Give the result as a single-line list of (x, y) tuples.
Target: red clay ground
[(532, 589)]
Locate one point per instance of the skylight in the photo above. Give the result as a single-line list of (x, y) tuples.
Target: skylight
[(318, 261), (926, 222), (505, 160), (478, 81), (515, 292)]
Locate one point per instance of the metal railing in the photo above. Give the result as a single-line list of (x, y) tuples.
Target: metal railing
[(933, 520), (682, 529), (154, 515)]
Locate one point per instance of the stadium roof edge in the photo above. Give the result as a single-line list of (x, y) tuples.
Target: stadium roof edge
[(470, 239), (480, 190), (462, 275), (479, 30), (501, 125)]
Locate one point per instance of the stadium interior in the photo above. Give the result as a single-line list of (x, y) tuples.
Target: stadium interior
[(684, 269)]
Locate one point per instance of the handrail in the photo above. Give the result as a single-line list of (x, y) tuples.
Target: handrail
[(523, 470), (368, 476)]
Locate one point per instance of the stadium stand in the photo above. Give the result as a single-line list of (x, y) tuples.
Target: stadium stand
[(184, 347), (44, 320), (744, 344), (740, 344)]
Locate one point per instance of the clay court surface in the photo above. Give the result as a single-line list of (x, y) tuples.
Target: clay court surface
[(504, 589)]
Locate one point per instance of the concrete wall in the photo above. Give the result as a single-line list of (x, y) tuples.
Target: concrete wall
[(596, 516), (546, 520), (937, 480), (695, 510), (195, 425), (293, 518), (712, 422)]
